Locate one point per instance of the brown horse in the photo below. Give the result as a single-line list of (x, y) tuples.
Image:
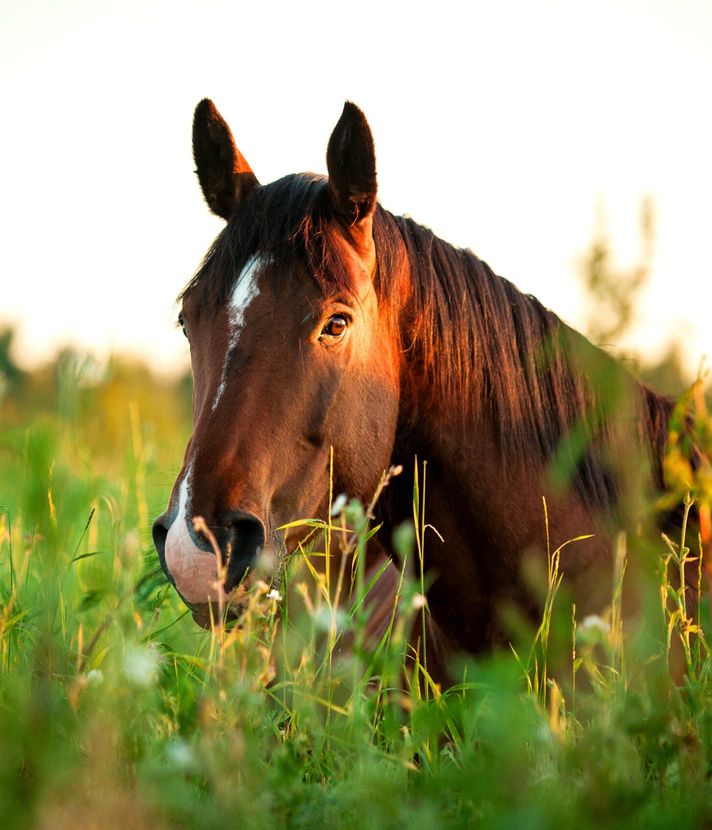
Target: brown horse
[(318, 322)]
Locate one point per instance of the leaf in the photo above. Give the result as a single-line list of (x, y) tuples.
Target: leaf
[(91, 599), (87, 555)]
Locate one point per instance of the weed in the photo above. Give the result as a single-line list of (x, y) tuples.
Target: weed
[(116, 709)]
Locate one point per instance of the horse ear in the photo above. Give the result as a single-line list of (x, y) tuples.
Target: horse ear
[(351, 162), (224, 175)]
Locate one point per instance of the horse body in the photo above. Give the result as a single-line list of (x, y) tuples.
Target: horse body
[(322, 327)]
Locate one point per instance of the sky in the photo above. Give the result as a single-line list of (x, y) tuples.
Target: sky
[(517, 128)]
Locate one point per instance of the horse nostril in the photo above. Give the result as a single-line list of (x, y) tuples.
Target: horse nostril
[(246, 537), (160, 534)]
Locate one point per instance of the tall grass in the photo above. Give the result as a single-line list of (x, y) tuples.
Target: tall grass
[(116, 710)]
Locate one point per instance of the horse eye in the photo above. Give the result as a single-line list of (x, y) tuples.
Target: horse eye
[(335, 326), (181, 322)]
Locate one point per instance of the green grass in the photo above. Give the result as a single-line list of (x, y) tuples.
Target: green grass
[(117, 711)]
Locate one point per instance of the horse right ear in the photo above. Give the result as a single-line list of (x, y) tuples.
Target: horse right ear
[(225, 177)]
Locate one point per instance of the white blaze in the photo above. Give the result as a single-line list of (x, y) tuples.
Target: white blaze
[(195, 570), (243, 294)]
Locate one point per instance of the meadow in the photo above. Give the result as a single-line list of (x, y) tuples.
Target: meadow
[(116, 710)]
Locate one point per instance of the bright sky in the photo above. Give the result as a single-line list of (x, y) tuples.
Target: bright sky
[(508, 127)]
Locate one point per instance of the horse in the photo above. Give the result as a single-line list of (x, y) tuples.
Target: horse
[(331, 340)]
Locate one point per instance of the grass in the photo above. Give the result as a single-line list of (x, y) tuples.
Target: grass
[(117, 711)]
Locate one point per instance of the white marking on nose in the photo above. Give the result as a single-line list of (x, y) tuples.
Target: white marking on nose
[(194, 571), (244, 292)]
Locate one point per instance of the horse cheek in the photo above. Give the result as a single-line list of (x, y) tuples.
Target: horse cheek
[(368, 435)]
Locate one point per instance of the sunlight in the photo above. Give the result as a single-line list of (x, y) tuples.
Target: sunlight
[(530, 131)]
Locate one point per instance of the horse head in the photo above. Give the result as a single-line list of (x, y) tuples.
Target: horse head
[(294, 356)]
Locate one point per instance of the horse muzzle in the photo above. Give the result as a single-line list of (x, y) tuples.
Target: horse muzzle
[(207, 563)]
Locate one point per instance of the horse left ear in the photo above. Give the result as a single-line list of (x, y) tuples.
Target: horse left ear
[(224, 175), (351, 162)]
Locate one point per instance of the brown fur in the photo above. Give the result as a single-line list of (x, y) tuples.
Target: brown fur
[(444, 361)]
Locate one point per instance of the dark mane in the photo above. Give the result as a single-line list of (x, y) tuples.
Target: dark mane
[(477, 340), (553, 395)]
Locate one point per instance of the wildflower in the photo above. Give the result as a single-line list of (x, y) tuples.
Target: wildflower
[(275, 595), (141, 665), (594, 622), (95, 677), (339, 504), (179, 754), (418, 602)]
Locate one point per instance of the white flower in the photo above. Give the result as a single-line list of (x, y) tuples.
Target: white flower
[(339, 504), (275, 595), (95, 677), (593, 621), (418, 602), (180, 754), (141, 665)]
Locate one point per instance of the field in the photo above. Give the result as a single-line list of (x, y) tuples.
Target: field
[(116, 710)]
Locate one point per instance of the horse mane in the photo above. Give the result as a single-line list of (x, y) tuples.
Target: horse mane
[(474, 339), (554, 396)]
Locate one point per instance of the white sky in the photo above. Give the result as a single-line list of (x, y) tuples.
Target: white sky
[(505, 126)]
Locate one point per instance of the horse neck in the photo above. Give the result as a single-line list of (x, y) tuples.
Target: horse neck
[(464, 437), (465, 453)]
